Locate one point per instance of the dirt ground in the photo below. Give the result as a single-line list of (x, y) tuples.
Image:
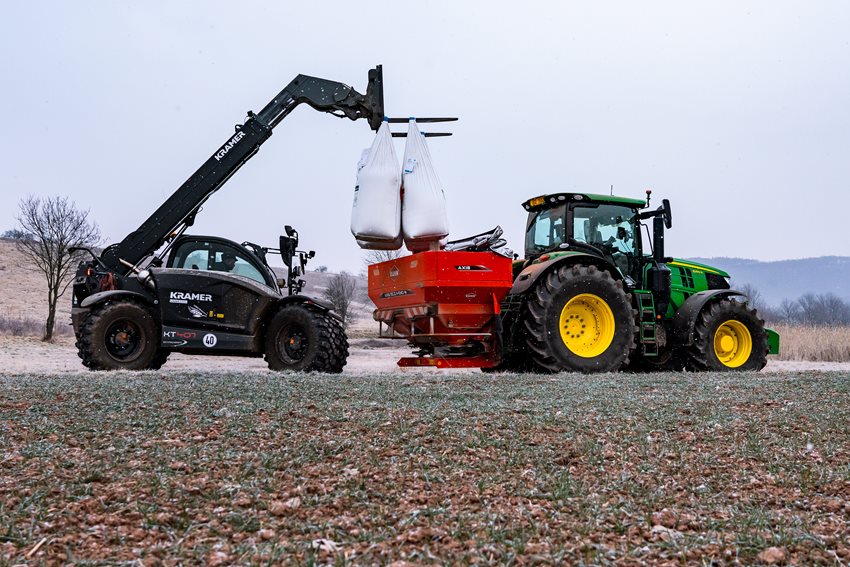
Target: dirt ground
[(25, 354), (220, 467)]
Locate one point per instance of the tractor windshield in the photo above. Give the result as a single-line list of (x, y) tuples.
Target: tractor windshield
[(609, 228), (604, 224), (545, 230)]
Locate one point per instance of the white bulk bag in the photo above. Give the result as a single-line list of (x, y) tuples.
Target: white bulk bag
[(381, 244), (376, 212), (423, 210)]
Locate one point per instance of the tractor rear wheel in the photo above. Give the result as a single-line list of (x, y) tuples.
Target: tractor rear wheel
[(667, 361), (729, 336), (121, 335), (304, 340), (580, 319)]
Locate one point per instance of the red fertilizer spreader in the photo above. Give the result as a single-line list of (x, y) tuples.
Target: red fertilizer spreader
[(444, 303)]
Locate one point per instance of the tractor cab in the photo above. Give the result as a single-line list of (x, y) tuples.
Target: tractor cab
[(600, 225)]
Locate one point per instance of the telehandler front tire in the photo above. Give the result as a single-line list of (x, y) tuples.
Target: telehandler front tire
[(729, 336), (300, 339), (579, 319), (120, 335)]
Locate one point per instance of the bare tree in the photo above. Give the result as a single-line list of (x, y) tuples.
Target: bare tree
[(754, 296), (340, 292), (823, 309), (378, 256), (54, 225), (15, 234), (789, 310)]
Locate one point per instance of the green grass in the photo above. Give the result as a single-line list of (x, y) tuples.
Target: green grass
[(429, 468)]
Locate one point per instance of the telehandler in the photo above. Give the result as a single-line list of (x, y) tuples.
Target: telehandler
[(160, 291)]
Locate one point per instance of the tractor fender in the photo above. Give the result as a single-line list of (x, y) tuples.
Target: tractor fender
[(531, 273), (686, 317), (101, 296), (311, 303)]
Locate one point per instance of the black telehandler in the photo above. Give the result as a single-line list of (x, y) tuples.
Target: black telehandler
[(160, 290)]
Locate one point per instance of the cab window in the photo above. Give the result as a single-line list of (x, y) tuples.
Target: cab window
[(196, 260), (228, 261), (215, 257), (611, 229), (545, 230)]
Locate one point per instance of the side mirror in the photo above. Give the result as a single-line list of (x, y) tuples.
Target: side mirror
[(287, 249), (668, 214)]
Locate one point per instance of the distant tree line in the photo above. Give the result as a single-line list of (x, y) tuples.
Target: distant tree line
[(822, 309)]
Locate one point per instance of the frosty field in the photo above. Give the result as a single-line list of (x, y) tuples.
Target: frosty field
[(374, 467)]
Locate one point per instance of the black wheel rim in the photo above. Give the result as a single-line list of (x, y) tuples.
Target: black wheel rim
[(124, 340), (293, 342)]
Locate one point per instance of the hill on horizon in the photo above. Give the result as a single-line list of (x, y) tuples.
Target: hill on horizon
[(788, 279)]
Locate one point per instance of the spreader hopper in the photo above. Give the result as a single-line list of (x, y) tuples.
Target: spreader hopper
[(445, 303)]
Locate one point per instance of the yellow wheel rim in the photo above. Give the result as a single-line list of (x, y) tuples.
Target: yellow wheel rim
[(587, 325), (733, 343)]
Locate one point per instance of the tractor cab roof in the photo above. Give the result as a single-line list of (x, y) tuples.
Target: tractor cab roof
[(546, 201)]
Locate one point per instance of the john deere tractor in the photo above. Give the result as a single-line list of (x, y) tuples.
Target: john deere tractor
[(596, 293)]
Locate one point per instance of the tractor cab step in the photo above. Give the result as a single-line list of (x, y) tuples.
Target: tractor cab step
[(648, 330)]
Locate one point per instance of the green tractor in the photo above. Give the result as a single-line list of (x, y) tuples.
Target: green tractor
[(596, 293)]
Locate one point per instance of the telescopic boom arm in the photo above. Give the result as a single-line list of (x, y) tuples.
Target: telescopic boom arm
[(178, 212)]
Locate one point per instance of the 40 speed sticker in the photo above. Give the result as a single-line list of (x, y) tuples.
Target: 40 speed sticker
[(210, 340)]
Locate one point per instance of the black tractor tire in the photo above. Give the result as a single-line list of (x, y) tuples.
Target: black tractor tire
[(666, 361), (705, 351), (301, 339), (119, 335), (549, 298), (509, 364), (160, 359)]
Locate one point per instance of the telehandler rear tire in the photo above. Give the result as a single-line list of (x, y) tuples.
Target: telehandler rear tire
[(729, 336), (579, 319), (300, 339), (120, 335)]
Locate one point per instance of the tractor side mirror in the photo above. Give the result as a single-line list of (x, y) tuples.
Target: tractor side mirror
[(668, 214), (287, 249)]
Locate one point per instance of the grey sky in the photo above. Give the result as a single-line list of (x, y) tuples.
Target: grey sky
[(738, 112)]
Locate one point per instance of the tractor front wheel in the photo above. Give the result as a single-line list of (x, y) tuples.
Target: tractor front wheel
[(729, 336), (579, 319), (303, 340)]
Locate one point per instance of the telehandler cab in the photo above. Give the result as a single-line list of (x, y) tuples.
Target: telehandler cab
[(160, 291)]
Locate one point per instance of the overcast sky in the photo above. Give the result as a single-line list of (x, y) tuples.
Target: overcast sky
[(738, 112)]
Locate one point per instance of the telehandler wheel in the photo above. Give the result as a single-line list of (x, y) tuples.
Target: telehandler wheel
[(159, 360), (580, 319), (121, 335), (729, 336), (301, 339)]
